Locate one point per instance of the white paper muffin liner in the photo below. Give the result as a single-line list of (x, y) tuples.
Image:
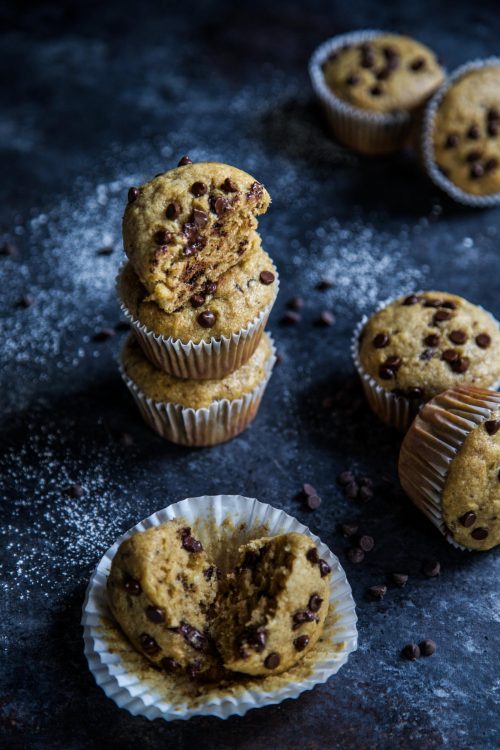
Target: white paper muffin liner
[(433, 441), (395, 410), (427, 148), (221, 421), (131, 693), (204, 360), (362, 130)]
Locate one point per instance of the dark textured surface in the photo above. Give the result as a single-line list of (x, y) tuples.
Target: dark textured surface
[(96, 96)]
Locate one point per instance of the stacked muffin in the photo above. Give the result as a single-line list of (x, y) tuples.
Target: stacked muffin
[(197, 290)]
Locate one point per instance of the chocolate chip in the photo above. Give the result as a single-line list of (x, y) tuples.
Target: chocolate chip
[(493, 114), (458, 337), (208, 572), (220, 205), (483, 340), (431, 568), (308, 489), (351, 490), (199, 218), (377, 592), (133, 194), (441, 315), (400, 579), (291, 318), (376, 90), (132, 586), (414, 393), (313, 502), (383, 74), (74, 490), (299, 618), (492, 426), (206, 319), (473, 155), (476, 171), (185, 160), (107, 250), (255, 638), (468, 519), (367, 56), (148, 644), (173, 210), (198, 189), (366, 543), (229, 186), (104, 335), (210, 287), (491, 164), (349, 529), (324, 284), (326, 318), (433, 303), (386, 373), (197, 300), (272, 661), (473, 133), (389, 52), (324, 568), (193, 636), (450, 356), (479, 533), (461, 365), (266, 277), (355, 555), (449, 304), (190, 544), (431, 340), (346, 478), (25, 301), (256, 191), (427, 647), (412, 299), (365, 493), (312, 555), (493, 128), (380, 340), (394, 362), (427, 354), (301, 642), (352, 80), (315, 602), (417, 64), (170, 665), (411, 652), (155, 614), (163, 237), (451, 140)]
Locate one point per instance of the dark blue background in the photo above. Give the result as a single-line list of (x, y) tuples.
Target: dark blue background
[(98, 95)]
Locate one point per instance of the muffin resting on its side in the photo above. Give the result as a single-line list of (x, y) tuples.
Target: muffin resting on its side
[(274, 605)]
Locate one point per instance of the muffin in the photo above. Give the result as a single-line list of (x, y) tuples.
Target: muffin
[(372, 84), (186, 227), (197, 412), (449, 465), (274, 606), (162, 591), (462, 134), (215, 332), (420, 345)]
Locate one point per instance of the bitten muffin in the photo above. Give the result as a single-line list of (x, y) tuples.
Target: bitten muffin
[(385, 74), (274, 605), (162, 590), (466, 132), (422, 344), (450, 465), (225, 307), (186, 227)]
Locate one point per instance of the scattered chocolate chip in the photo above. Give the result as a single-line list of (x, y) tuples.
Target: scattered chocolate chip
[(431, 340), (170, 665), (367, 56), (365, 493), (451, 140), (355, 555), (25, 301), (440, 316), (483, 340), (349, 529), (433, 303), (377, 592), (208, 572), (272, 661), (468, 519), (132, 586), (210, 287), (206, 319), (417, 64), (376, 90), (74, 490), (346, 478), (312, 555), (220, 205), (450, 355), (229, 186), (324, 568), (492, 426), (148, 644), (351, 490), (290, 318), (352, 80), (301, 642), (189, 543), (431, 568), (198, 189), (313, 502), (315, 602), (324, 284), (299, 618), (427, 647), (256, 191), (295, 303), (473, 133), (474, 155), (381, 340), (491, 164), (193, 636), (399, 579), (479, 533), (104, 335), (394, 362), (197, 300), (493, 114), (106, 250), (411, 652), (383, 74), (199, 218), (449, 304), (412, 299), (255, 638), (461, 365), (414, 392), (155, 614), (326, 318), (458, 337), (366, 543), (427, 354), (133, 194), (493, 129), (173, 210), (386, 373), (162, 237), (185, 160), (266, 277), (476, 171)]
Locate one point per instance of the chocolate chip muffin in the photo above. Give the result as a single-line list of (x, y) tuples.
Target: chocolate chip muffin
[(186, 227), (450, 465), (466, 131), (162, 591), (274, 605), (387, 73), (420, 345)]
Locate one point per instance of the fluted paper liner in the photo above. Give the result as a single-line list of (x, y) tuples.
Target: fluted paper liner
[(209, 517), (221, 421), (427, 146), (433, 441), (362, 130), (203, 360)]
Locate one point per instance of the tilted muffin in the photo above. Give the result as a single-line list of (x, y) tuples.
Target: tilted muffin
[(420, 345), (449, 465), (464, 132), (274, 606), (186, 227), (162, 590)]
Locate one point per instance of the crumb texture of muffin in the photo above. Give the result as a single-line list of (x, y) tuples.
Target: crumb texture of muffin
[(273, 605), (196, 394), (386, 74), (162, 591), (466, 133), (234, 300), (425, 343), (186, 227)]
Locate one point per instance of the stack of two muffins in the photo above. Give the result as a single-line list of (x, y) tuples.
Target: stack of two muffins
[(197, 291)]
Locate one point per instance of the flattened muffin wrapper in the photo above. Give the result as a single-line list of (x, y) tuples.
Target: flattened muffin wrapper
[(247, 517), (434, 440), (427, 148), (204, 360), (360, 129), (221, 421)]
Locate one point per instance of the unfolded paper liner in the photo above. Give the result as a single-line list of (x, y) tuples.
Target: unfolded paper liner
[(131, 693), (221, 421), (204, 360), (362, 130), (433, 441), (393, 409), (427, 148)]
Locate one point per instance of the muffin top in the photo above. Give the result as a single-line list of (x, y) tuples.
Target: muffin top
[(195, 394), (466, 136), (189, 225), (422, 344), (226, 306), (388, 73)]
